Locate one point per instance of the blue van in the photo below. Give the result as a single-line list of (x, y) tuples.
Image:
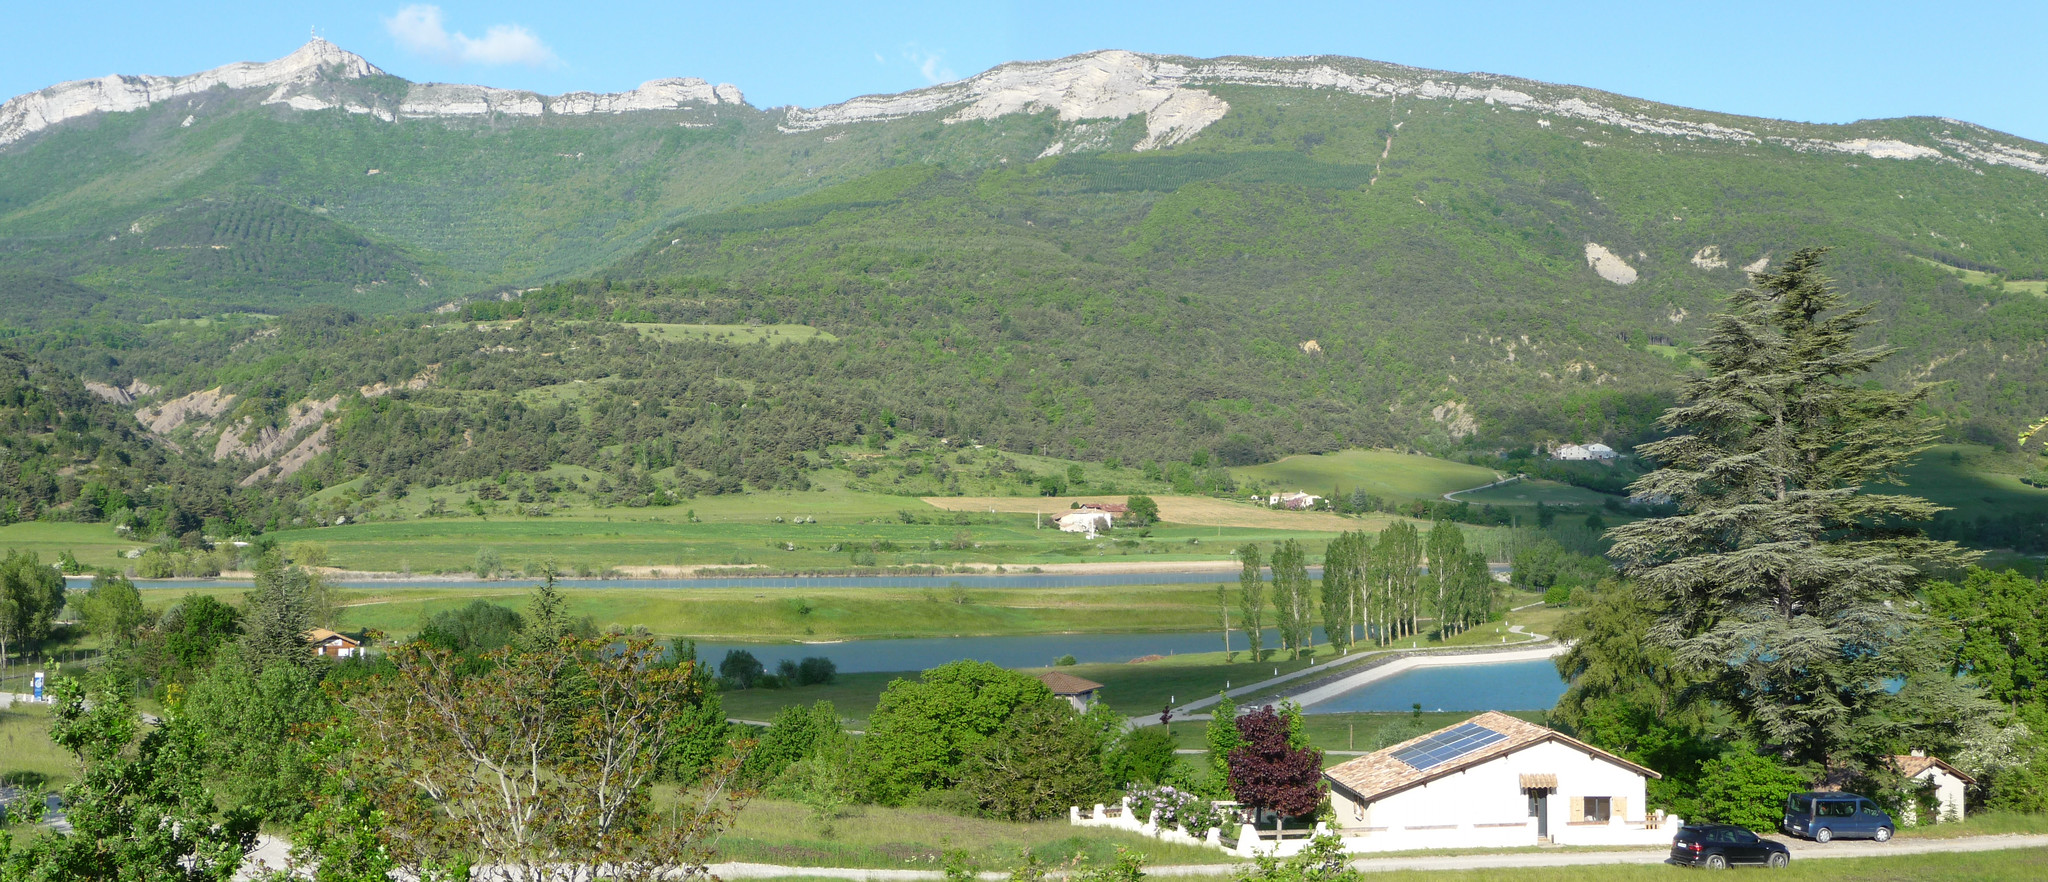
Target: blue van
[(1823, 817)]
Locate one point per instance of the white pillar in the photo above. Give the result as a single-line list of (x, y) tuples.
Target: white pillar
[(1247, 840), (1074, 815)]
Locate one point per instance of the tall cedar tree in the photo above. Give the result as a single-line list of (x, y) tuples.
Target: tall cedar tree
[(1267, 772), (278, 613), (1251, 598), (1291, 595), (1778, 584)]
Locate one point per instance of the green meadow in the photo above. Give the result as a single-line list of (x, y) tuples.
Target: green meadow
[(1382, 473)]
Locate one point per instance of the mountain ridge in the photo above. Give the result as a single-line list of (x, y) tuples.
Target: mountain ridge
[(1100, 84), (296, 80)]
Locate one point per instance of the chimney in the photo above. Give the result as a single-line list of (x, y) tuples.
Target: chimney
[(1918, 752)]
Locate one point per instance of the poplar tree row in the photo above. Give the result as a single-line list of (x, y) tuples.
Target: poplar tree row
[(1374, 588)]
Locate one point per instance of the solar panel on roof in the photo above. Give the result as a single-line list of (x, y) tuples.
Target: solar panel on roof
[(1446, 746)]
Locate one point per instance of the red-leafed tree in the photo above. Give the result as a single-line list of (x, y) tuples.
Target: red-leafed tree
[(1267, 773)]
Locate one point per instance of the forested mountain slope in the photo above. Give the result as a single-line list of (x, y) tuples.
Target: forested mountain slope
[(1109, 255)]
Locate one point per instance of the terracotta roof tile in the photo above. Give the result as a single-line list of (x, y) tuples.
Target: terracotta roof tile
[(1379, 774), (1910, 766)]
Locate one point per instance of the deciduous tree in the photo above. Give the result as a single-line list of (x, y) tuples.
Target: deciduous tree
[(1267, 772), (1251, 597), (538, 766)]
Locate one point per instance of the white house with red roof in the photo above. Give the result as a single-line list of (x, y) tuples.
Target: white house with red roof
[(1493, 781), (1951, 786)]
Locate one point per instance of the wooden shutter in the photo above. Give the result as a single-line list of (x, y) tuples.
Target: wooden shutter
[(1621, 808), (1578, 810)]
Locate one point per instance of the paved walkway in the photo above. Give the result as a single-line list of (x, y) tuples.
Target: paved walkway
[(1474, 655)]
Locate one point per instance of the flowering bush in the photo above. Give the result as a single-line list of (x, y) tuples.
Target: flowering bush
[(1187, 809)]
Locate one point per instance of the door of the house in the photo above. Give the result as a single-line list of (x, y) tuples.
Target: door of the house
[(1539, 808)]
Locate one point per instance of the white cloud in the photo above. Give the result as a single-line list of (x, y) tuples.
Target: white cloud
[(930, 65), (419, 29)]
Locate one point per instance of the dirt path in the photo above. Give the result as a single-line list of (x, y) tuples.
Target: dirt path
[(1453, 495)]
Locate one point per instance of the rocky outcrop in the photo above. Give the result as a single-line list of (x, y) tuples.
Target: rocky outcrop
[(1609, 265), (27, 114), (122, 395), (419, 381), (165, 418), (294, 459), (1709, 258), (270, 441)]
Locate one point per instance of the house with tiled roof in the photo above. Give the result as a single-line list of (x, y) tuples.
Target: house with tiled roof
[(333, 644), (1077, 691), (1489, 782), (1950, 785)]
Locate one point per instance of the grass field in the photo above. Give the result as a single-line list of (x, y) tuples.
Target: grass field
[(1967, 478), (796, 614), (1382, 473), (775, 832), (1984, 866), (1530, 491), (27, 756)]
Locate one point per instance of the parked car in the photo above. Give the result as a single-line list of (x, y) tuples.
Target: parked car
[(1824, 817), (1721, 845)]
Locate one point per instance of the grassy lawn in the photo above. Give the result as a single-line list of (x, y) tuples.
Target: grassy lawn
[(1532, 491), (1967, 478), (795, 614), (27, 756), (854, 696), (2012, 865), (775, 832), (1981, 824), (1382, 473)]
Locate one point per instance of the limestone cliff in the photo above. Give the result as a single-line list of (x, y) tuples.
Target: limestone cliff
[(317, 76)]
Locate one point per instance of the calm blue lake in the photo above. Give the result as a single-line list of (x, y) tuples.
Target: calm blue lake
[(1523, 685)]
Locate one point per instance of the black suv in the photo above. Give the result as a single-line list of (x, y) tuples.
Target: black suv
[(1719, 845)]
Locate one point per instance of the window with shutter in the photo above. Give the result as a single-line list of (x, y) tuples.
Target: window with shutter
[(1578, 808), (1621, 807), (1596, 809)]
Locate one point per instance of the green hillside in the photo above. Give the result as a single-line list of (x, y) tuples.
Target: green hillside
[(728, 300)]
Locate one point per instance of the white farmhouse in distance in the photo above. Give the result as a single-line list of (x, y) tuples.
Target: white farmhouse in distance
[(1295, 501), (1086, 520), (1583, 452)]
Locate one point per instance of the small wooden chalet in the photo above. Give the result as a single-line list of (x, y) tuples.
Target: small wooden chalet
[(1079, 692)]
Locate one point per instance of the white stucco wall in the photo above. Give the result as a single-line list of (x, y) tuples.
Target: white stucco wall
[(1491, 793), (1949, 797)]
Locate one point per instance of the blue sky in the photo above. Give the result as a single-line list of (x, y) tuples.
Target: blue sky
[(1820, 62)]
